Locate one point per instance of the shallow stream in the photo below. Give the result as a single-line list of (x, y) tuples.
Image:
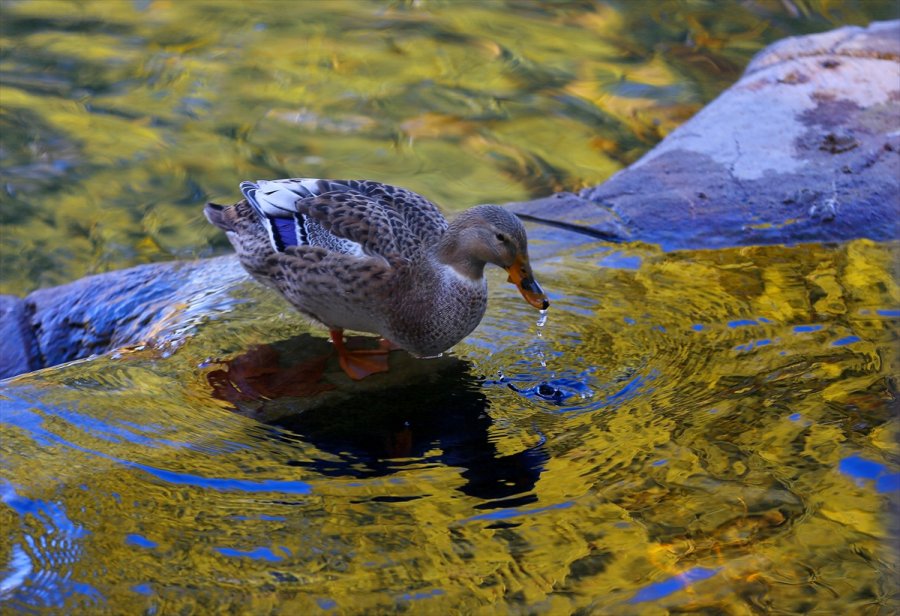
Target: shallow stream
[(703, 431)]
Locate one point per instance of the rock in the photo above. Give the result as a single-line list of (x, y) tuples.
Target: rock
[(143, 304), (804, 148), (578, 214), (18, 348)]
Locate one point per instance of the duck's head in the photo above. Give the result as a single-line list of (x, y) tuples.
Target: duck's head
[(492, 234)]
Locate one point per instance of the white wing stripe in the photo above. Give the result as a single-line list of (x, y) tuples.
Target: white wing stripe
[(279, 197)]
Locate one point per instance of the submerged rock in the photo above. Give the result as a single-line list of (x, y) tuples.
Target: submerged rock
[(148, 304)]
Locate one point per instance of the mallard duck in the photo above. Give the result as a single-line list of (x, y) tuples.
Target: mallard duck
[(370, 257)]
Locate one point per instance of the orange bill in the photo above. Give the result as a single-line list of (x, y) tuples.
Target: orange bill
[(521, 276)]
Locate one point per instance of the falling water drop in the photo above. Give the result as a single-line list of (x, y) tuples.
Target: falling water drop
[(542, 320)]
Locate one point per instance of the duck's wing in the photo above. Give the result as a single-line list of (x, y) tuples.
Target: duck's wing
[(276, 203), (305, 272), (423, 217), (363, 216), (308, 212), (301, 271)]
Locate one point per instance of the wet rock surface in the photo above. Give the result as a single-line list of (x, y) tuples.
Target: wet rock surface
[(804, 148), (18, 348), (96, 314)]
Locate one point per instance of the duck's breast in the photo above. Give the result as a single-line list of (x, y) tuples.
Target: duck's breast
[(436, 312)]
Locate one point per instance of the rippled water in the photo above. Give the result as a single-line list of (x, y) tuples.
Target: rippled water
[(120, 118), (711, 431)]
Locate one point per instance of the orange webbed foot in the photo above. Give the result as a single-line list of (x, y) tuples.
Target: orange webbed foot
[(359, 363)]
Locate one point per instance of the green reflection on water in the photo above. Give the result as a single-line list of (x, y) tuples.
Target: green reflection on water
[(120, 118), (724, 396)]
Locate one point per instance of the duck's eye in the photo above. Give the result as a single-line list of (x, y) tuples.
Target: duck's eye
[(501, 237)]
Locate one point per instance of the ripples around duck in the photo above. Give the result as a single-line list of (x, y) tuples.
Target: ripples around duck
[(703, 430)]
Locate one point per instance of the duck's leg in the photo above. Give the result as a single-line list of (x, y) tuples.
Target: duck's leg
[(384, 344), (359, 363), (387, 346)]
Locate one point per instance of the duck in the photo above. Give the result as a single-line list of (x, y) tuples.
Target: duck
[(369, 257)]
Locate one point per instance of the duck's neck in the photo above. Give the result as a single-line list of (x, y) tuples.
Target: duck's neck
[(451, 251)]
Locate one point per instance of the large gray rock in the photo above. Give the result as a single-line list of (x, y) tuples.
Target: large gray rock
[(805, 147)]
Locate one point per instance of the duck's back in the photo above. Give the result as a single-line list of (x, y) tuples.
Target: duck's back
[(343, 215)]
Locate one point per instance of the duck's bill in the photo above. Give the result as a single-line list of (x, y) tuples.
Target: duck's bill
[(521, 276)]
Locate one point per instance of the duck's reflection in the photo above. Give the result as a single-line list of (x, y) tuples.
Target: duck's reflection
[(432, 411)]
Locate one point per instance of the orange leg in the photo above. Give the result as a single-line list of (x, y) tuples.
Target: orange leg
[(387, 345), (359, 363)]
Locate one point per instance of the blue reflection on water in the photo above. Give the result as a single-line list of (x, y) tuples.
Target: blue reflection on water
[(109, 432), (514, 512), (888, 313), (27, 420), (18, 415), (16, 571), (888, 483), (573, 393), (742, 323), (140, 541), (558, 391), (631, 388), (259, 553), (131, 432), (142, 589), (804, 329), (618, 260), (846, 340), (863, 470), (326, 604), (417, 596), (673, 584), (226, 484), (753, 344), (52, 551)]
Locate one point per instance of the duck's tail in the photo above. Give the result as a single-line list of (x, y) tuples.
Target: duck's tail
[(278, 198), (250, 241), (217, 215), (276, 204)]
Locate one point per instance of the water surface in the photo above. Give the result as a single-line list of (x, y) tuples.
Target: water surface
[(120, 118), (707, 431)]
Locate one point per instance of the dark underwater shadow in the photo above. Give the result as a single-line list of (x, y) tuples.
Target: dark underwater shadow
[(380, 425)]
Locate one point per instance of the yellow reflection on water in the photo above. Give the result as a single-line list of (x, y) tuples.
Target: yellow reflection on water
[(689, 431), (120, 118)]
